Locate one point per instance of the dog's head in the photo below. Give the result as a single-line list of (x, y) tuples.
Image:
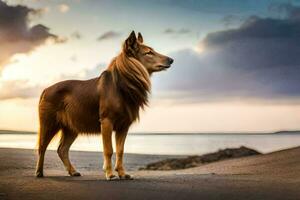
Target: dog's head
[(150, 59)]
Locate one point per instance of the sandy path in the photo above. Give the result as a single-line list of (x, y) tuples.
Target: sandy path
[(270, 176)]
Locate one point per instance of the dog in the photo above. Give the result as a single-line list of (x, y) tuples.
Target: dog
[(101, 105)]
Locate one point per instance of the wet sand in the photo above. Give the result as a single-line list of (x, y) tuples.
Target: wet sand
[(270, 176)]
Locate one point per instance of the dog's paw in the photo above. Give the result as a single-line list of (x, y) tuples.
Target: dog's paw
[(111, 178), (39, 174), (126, 177), (75, 174)]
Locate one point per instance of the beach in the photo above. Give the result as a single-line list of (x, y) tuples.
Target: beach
[(269, 176)]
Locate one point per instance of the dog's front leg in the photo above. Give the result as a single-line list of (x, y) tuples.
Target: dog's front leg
[(106, 131), (120, 141)]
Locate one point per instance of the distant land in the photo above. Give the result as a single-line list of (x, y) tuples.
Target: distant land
[(182, 133), (16, 132), (287, 132)]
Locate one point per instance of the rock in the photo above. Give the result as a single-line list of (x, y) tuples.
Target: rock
[(194, 161)]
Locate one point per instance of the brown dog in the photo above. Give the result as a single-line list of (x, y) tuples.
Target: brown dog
[(105, 104)]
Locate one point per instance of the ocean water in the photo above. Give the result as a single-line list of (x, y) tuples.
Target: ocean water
[(167, 144)]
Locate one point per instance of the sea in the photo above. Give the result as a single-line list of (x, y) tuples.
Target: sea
[(166, 143)]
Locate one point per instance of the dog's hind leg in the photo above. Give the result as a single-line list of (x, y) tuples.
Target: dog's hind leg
[(67, 139), (46, 133)]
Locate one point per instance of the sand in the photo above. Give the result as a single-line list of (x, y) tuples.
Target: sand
[(270, 176)]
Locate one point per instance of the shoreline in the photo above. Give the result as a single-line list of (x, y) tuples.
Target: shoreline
[(280, 132)]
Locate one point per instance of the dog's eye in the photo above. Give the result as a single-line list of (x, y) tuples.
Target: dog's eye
[(149, 53)]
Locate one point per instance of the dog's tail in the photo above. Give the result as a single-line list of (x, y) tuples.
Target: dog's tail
[(48, 126)]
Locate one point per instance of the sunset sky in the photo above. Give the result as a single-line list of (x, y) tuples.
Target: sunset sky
[(236, 68)]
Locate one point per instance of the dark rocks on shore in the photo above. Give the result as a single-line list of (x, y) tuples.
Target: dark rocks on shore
[(194, 161)]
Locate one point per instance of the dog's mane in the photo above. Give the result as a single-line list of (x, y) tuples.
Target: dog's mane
[(132, 81)]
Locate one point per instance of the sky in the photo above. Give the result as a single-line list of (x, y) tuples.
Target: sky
[(236, 63)]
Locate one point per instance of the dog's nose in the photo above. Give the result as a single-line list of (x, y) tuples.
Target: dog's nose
[(171, 60)]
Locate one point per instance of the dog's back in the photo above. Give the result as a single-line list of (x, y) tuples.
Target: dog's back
[(73, 104)]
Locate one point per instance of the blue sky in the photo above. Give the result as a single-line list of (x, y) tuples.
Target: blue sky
[(232, 58)]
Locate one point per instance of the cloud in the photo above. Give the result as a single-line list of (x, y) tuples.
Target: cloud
[(63, 8), (179, 31), (210, 6), (230, 19), (260, 59), (23, 89), (76, 35), (16, 36), (18, 89), (83, 74), (256, 28), (74, 58), (287, 9), (109, 35), (95, 71), (169, 31)]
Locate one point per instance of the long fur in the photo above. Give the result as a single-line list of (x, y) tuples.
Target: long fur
[(133, 82)]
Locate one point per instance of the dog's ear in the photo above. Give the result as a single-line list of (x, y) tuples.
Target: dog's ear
[(140, 38), (130, 45), (131, 40)]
